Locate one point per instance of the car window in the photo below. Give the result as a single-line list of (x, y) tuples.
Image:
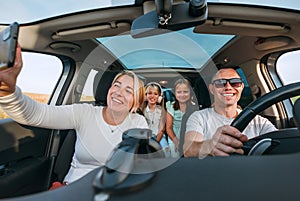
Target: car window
[(38, 76), (287, 67), (87, 92)]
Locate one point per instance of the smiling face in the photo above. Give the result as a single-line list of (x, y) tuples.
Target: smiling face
[(120, 95), (182, 93), (152, 94), (227, 95)]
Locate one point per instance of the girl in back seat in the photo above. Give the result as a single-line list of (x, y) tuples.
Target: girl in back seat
[(155, 114)]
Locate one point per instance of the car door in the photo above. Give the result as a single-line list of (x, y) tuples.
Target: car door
[(26, 152), (23, 158)]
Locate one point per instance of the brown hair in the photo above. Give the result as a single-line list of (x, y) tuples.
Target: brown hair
[(188, 84)]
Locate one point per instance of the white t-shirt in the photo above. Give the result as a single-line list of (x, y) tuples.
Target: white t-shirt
[(95, 139), (154, 118), (207, 121)]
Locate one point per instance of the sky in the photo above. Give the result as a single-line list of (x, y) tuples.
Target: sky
[(29, 10), (288, 67), (39, 73)]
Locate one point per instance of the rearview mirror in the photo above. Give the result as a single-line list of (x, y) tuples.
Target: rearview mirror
[(170, 17)]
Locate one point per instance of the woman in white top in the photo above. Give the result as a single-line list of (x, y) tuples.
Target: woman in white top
[(99, 129)]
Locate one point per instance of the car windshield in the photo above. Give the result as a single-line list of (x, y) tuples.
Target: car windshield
[(33, 10)]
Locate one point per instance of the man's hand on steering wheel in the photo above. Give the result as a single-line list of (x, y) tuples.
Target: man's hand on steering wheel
[(227, 140)]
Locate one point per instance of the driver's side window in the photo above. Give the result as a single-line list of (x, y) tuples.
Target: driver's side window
[(287, 67)]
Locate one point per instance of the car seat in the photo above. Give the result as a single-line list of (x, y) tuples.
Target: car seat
[(202, 100), (102, 82)]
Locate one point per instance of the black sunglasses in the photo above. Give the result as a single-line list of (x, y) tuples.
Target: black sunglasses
[(234, 82)]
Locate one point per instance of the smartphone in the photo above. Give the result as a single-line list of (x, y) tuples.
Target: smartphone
[(8, 44)]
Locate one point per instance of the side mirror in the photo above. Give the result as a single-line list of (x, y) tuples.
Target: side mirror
[(170, 17)]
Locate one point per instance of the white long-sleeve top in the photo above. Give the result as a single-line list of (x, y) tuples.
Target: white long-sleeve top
[(95, 138)]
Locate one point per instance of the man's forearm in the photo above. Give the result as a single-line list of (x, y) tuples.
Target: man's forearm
[(197, 149)]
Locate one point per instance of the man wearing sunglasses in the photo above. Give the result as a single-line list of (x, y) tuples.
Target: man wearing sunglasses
[(208, 131)]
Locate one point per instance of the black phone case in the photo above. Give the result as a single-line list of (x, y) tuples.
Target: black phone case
[(8, 44)]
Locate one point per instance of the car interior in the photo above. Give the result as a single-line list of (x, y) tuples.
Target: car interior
[(31, 158)]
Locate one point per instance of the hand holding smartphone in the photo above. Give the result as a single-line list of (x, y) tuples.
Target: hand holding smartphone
[(8, 44)]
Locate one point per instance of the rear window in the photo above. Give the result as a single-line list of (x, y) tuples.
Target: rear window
[(177, 49)]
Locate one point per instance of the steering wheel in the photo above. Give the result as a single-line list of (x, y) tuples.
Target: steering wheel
[(262, 103)]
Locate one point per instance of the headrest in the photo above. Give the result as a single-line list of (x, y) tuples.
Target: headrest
[(169, 95), (102, 83), (201, 92), (296, 113)]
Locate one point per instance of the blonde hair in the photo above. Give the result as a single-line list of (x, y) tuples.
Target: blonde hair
[(142, 92), (158, 87), (138, 87)]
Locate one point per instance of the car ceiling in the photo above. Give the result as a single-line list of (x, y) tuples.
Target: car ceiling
[(73, 34)]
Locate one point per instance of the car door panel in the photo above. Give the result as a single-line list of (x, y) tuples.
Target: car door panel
[(23, 158)]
